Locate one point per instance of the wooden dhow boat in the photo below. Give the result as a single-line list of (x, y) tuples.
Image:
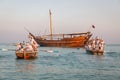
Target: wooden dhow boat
[(62, 40), (26, 54)]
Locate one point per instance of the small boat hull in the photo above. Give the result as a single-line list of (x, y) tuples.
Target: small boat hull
[(95, 52), (26, 55)]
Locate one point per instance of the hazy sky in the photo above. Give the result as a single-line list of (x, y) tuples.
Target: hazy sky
[(69, 16)]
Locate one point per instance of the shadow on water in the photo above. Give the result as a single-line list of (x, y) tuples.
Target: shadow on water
[(113, 54), (95, 55)]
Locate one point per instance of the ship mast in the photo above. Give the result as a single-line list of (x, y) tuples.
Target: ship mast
[(51, 24)]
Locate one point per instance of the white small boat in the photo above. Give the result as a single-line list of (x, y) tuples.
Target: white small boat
[(95, 46)]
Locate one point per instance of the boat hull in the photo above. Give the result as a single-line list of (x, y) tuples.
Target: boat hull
[(78, 41), (62, 43), (26, 55), (95, 52)]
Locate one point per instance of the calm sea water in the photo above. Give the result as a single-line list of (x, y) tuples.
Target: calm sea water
[(61, 64)]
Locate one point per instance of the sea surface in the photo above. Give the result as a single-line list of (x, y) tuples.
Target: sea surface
[(60, 64)]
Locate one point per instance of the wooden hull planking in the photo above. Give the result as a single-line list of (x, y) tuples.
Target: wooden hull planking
[(26, 55), (78, 41)]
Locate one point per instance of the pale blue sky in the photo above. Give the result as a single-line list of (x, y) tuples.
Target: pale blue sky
[(69, 16)]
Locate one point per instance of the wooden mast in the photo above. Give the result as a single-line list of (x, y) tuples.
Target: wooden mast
[(51, 34)]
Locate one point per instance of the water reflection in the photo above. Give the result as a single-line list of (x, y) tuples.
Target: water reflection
[(25, 65)]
